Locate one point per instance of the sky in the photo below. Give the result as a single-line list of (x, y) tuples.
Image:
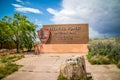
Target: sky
[(103, 16)]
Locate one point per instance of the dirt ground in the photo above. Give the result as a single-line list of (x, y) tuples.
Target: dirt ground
[(46, 67)]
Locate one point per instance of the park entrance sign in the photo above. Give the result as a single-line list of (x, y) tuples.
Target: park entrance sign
[(64, 36), (67, 33)]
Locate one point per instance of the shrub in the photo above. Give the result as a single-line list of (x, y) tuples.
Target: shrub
[(114, 55), (103, 48), (117, 40), (97, 59), (118, 64), (104, 52), (90, 55)]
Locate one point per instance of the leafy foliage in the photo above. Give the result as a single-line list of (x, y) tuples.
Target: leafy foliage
[(17, 29)]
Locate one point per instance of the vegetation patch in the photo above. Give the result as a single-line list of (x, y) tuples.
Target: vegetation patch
[(11, 58), (61, 77), (104, 52), (7, 66)]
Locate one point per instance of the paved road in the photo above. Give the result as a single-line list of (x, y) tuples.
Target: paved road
[(46, 67)]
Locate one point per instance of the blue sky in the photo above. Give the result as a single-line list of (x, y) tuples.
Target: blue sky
[(35, 10), (103, 16)]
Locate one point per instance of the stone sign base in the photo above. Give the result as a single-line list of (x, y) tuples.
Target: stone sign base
[(63, 48)]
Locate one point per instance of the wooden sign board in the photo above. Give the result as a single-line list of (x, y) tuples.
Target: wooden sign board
[(67, 33)]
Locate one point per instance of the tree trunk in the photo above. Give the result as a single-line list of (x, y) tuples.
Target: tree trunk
[(17, 46), (1, 45)]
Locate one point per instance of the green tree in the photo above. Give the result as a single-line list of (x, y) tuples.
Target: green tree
[(19, 30), (4, 37)]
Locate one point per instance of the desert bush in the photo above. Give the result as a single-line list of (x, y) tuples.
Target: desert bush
[(104, 52), (102, 48), (114, 55), (90, 55), (98, 59), (117, 40)]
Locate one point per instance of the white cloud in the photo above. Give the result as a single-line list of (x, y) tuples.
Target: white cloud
[(27, 9), (21, 8), (99, 14), (52, 11), (17, 5), (19, 0)]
